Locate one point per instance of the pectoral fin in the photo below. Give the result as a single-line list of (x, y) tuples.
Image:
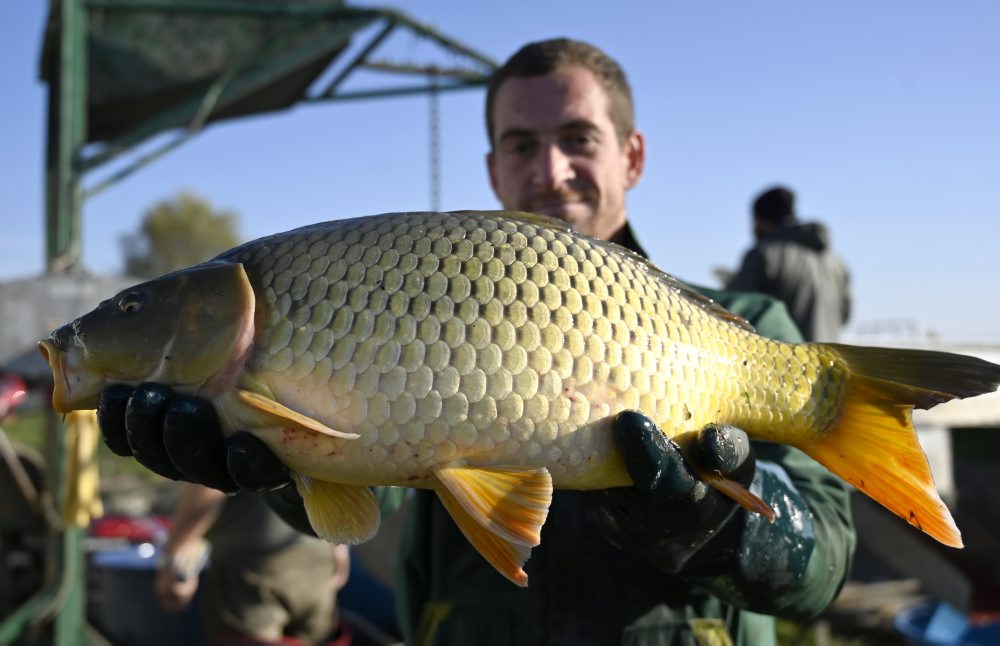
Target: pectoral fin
[(339, 513), (287, 416), (500, 510)]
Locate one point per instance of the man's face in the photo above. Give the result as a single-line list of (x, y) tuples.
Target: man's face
[(555, 151)]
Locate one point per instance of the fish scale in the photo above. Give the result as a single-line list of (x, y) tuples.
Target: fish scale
[(484, 355), (464, 336)]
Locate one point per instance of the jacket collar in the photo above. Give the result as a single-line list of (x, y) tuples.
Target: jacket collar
[(626, 238)]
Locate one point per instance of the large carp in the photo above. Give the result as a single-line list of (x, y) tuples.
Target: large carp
[(482, 355)]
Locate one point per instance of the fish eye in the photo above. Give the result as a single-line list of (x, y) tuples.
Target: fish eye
[(132, 302)]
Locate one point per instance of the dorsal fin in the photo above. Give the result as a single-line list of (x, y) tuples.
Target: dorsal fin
[(680, 288), (694, 296), (523, 216)]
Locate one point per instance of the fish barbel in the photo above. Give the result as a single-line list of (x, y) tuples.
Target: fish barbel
[(483, 355)]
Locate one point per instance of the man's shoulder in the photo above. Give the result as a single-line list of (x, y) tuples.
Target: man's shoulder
[(768, 315), (746, 304)]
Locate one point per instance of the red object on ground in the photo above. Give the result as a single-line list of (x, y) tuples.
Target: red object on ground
[(13, 391), (149, 529)]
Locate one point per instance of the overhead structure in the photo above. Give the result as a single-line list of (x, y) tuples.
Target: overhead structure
[(125, 73), (130, 80)]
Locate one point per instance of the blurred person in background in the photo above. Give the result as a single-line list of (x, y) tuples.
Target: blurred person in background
[(265, 582), (794, 262)]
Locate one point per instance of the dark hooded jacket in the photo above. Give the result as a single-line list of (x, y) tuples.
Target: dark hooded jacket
[(795, 264)]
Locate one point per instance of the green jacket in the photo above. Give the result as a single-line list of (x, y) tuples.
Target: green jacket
[(583, 590)]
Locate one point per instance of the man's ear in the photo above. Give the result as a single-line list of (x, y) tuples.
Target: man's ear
[(491, 167), (635, 154)]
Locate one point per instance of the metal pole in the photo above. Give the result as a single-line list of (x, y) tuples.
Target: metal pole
[(66, 135), (435, 143)]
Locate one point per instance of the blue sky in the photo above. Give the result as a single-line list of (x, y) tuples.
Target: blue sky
[(885, 117)]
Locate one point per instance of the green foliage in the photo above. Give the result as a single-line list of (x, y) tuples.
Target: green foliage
[(27, 429), (177, 233)]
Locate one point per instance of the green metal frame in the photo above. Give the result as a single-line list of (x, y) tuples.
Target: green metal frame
[(58, 610), (241, 79)]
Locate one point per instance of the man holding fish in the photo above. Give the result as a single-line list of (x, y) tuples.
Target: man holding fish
[(711, 534)]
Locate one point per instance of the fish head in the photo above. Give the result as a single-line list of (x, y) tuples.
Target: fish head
[(187, 329)]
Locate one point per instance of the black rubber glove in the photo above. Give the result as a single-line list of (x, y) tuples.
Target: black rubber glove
[(670, 514), (677, 522), (179, 437)]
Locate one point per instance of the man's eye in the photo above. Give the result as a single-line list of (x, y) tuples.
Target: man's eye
[(520, 147), (582, 141)]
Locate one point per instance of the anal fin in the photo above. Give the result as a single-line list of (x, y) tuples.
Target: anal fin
[(339, 513), (500, 510)]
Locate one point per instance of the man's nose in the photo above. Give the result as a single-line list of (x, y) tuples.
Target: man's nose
[(553, 167)]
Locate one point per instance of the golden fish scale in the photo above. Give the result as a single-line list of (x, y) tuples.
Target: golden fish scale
[(450, 336)]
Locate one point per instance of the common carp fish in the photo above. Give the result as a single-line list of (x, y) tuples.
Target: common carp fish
[(483, 355)]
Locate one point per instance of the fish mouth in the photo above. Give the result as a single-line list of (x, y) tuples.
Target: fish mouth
[(56, 358)]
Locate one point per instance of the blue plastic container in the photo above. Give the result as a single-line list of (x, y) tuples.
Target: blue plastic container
[(127, 607), (939, 624)]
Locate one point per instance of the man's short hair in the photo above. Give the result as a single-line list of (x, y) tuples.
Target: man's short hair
[(775, 205), (548, 56)]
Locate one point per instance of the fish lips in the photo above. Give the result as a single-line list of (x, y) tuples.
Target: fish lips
[(71, 389)]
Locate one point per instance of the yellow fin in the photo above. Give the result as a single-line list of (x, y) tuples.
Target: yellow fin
[(735, 491), (726, 486), (339, 513), (875, 448), (289, 417), (500, 510), (874, 444)]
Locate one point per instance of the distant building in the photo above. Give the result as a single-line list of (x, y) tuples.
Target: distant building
[(30, 308)]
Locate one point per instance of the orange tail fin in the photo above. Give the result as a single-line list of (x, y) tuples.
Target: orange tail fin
[(873, 444)]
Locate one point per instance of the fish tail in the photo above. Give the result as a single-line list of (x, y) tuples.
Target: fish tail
[(873, 445)]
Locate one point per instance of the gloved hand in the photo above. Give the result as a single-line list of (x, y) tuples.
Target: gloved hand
[(685, 527), (670, 514), (179, 437)]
